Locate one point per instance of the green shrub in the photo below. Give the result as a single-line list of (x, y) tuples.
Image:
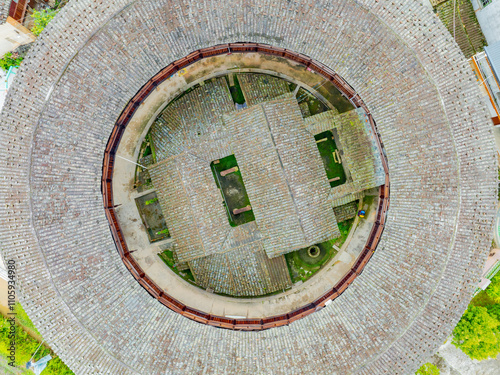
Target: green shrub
[(10, 59), (42, 19), (493, 290), (427, 369)]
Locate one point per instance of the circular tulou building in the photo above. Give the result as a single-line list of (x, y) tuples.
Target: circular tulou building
[(246, 187)]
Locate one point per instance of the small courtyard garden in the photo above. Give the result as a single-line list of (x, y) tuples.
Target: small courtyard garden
[(152, 217), (228, 178), (331, 158), (304, 263)]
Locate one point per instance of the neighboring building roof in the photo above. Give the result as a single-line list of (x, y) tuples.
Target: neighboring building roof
[(460, 19), (4, 10), (488, 14)]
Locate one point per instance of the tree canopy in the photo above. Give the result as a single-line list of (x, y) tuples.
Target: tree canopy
[(427, 369), (493, 289), (477, 333)]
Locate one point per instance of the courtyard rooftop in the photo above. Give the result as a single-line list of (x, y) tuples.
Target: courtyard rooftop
[(282, 173)]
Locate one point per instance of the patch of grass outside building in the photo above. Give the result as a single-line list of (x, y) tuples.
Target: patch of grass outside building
[(23, 318), (26, 346), (331, 158), (168, 258), (232, 189), (302, 266)]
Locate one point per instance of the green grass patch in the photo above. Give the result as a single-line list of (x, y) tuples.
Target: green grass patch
[(23, 318), (168, 258), (302, 266), (26, 346), (151, 201), (232, 190), (331, 158), (151, 147)]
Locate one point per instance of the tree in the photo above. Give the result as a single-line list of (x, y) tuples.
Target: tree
[(42, 18), (493, 290), (477, 334), (494, 311), (428, 369)]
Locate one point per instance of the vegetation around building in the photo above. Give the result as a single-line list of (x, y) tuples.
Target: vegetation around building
[(26, 345), (428, 369), (477, 333)]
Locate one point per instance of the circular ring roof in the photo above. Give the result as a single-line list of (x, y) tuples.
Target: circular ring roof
[(94, 57)]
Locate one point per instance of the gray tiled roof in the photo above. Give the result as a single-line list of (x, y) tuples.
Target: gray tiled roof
[(192, 205), (282, 172), (4, 10), (359, 152), (283, 175), (195, 117), (95, 56), (260, 88), (243, 271)]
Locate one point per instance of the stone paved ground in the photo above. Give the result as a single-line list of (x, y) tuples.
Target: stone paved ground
[(452, 361)]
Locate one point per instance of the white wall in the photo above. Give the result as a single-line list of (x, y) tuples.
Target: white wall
[(489, 19), (12, 35)]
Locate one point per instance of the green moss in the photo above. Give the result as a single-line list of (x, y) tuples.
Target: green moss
[(168, 258), (236, 92)]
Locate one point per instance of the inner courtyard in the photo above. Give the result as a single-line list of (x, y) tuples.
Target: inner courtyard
[(254, 177)]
